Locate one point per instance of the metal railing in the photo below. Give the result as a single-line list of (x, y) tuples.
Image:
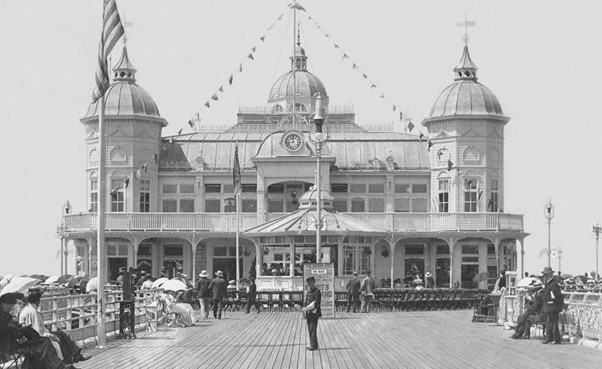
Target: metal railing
[(226, 222)]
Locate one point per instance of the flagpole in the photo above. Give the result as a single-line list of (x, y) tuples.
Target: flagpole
[(237, 239), (100, 242), (294, 65)]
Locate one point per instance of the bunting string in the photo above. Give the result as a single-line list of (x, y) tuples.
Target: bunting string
[(197, 117)]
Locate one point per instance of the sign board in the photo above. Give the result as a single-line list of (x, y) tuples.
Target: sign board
[(324, 275)]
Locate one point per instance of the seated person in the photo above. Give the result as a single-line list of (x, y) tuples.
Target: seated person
[(66, 349), (183, 311), (38, 351), (532, 314)]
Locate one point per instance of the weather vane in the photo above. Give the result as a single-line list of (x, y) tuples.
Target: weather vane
[(126, 24), (466, 24)]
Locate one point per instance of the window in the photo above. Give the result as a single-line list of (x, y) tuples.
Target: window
[(402, 188), (170, 206), (144, 196), (213, 188), (230, 205), (212, 205), (470, 196), (340, 205), (339, 187), (358, 188), (402, 205), (275, 205), (276, 188), (357, 205), (173, 259), (494, 203), (93, 196), (249, 206), (356, 255), (444, 196), (376, 188), (187, 206), (249, 188), (419, 205), (170, 188), (419, 188), (228, 188), (117, 195), (376, 204), (186, 188)]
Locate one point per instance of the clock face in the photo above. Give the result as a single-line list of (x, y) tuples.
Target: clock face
[(293, 142)]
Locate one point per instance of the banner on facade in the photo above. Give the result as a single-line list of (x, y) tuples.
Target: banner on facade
[(324, 275)]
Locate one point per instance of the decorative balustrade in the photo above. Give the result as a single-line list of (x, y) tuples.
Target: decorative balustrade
[(226, 222)]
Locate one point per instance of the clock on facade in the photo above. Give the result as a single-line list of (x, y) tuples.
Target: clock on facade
[(293, 141)]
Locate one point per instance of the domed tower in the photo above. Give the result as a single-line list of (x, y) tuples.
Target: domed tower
[(133, 137), (466, 126), (299, 85)]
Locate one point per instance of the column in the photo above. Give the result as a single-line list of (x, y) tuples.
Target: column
[(89, 262), (392, 255), (292, 258), (258, 258), (522, 257), (135, 246), (193, 248), (451, 242)]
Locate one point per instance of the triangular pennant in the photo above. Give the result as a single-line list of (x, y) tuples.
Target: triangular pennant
[(262, 38), (230, 80), (327, 35), (400, 115), (345, 56), (280, 17), (450, 165), (214, 97), (430, 144), (253, 49), (156, 158), (354, 66), (221, 88), (127, 182), (240, 68), (394, 107), (382, 96), (410, 126), (191, 123), (144, 166), (364, 75), (336, 46), (250, 56), (421, 136), (207, 104), (180, 132), (373, 86)]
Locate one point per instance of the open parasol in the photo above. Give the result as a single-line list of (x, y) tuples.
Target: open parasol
[(159, 282), (20, 284), (64, 279), (483, 276), (51, 279), (174, 285), (526, 282), (92, 285)]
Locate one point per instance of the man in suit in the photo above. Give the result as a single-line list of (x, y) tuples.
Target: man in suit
[(552, 306), (353, 293), (367, 288), (218, 289), (203, 293), (313, 312), (251, 296), (533, 306)]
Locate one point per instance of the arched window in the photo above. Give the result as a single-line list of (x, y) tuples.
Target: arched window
[(277, 108), (300, 107)]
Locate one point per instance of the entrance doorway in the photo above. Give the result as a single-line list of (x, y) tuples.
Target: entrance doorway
[(114, 265), (469, 271), (228, 266)]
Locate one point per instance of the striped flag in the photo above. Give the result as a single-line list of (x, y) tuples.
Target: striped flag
[(112, 30), (236, 178)]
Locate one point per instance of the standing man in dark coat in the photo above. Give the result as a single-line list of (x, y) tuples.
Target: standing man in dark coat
[(252, 296), (313, 312), (552, 306), (353, 293), (218, 289), (203, 293)]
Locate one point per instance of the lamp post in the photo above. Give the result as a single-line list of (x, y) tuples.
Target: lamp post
[(549, 214), (596, 229), (318, 139)]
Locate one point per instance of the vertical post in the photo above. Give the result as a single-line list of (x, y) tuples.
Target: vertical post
[(237, 239), (318, 138), (100, 243), (549, 214), (522, 257), (596, 229), (392, 254), (62, 254)]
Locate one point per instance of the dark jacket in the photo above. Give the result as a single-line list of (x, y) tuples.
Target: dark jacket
[(552, 297), (252, 290), (536, 303), (202, 288), (353, 286), (218, 288), (9, 332), (314, 294)]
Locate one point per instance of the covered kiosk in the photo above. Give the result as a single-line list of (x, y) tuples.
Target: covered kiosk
[(285, 243)]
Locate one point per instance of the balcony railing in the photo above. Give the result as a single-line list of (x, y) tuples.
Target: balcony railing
[(226, 222)]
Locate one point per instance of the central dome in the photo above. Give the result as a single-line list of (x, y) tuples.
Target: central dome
[(297, 87)]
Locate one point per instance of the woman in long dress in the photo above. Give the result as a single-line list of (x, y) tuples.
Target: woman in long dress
[(184, 312)]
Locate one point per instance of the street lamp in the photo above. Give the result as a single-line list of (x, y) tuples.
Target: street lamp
[(549, 214), (596, 229), (319, 138)]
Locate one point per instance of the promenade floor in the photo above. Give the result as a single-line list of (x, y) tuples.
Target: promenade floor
[(432, 339)]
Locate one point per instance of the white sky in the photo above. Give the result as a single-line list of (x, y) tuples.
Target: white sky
[(541, 58)]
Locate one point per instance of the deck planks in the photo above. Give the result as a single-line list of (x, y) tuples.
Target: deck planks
[(271, 340)]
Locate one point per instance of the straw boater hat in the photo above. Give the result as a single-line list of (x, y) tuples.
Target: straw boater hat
[(219, 273), (428, 274), (204, 274)]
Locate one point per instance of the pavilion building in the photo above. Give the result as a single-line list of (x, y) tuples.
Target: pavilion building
[(396, 204)]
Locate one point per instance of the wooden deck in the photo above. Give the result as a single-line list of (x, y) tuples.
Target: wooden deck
[(436, 339)]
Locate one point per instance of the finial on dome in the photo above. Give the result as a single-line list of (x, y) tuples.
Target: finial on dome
[(466, 69), (124, 69)]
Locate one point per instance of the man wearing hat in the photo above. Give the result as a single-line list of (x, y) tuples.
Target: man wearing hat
[(218, 293), (429, 281), (353, 293), (203, 293), (552, 306), (532, 314), (313, 312)]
